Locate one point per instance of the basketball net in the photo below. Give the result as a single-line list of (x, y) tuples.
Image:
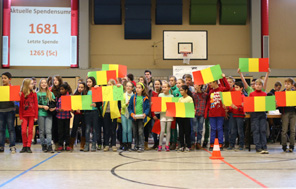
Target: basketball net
[(186, 57)]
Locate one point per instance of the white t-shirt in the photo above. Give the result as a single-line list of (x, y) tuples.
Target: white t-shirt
[(163, 117)]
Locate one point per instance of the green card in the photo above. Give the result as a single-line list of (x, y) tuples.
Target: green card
[(189, 110), (86, 102), (244, 64), (118, 93)]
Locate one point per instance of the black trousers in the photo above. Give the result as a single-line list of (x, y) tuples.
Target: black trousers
[(184, 130), (64, 131), (55, 130)]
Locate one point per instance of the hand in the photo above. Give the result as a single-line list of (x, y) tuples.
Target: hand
[(223, 75), (269, 70), (52, 109), (224, 106), (96, 86), (45, 108), (144, 116), (118, 85), (78, 111), (134, 116), (60, 110), (93, 105), (226, 116), (21, 121), (234, 106), (35, 119), (238, 70), (155, 118)]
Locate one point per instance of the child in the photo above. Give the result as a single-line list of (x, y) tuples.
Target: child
[(28, 113), (238, 120), (188, 81), (228, 121), (200, 101), (138, 109), (258, 122), (91, 118), (7, 117), (126, 122), (63, 120), (45, 98), (288, 119), (78, 119), (216, 111), (164, 120), (184, 123), (110, 115), (174, 88), (57, 82)]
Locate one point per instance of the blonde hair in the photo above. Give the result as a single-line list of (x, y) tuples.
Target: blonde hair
[(25, 87), (112, 81), (48, 93), (259, 81)]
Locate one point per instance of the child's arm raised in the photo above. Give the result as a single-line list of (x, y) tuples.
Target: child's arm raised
[(266, 79), (243, 79)]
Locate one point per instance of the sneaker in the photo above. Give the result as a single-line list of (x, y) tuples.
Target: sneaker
[(187, 149), (226, 145), (204, 144), (114, 148), (181, 149), (93, 147), (68, 148), (159, 148), (1, 149), (24, 149), (135, 149), (13, 149), (173, 146), (230, 148), (106, 149), (265, 151), (167, 149), (49, 149), (99, 147), (258, 150), (291, 148), (60, 148), (121, 146), (29, 150), (284, 147), (44, 148), (241, 148), (140, 150), (198, 146), (192, 146)]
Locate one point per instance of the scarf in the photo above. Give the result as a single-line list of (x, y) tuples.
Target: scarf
[(126, 100)]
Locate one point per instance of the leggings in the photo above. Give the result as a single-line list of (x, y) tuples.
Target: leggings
[(27, 135), (168, 136)]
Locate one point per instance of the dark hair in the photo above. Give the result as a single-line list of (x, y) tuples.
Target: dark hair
[(253, 80), (7, 74), (67, 87), (83, 92), (130, 76), (187, 76), (185, 87), (173, 77), (56, 89), (33, 78), (239, 83), (289, 80), (144, 92), (93, 83), (147, 71), (160, 89), (49, 81)]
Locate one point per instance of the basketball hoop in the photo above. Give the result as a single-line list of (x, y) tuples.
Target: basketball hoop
[(186, 56)]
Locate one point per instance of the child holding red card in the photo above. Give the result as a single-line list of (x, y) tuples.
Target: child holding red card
[(7, 116), (28, 113), (216, 111), (238, 120), (63, 120)]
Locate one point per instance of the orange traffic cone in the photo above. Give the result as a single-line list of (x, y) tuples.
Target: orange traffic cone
[(216, 151)]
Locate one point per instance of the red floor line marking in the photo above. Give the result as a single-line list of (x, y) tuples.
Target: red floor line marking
[(249, 177)]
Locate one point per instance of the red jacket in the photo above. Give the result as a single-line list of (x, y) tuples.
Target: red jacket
[(239, 112), (258, 93), (28, 106), (214, 104)]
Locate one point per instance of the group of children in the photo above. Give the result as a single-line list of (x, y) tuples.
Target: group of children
[(129, 118)]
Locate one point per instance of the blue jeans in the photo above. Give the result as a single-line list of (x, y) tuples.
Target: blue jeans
[(126, 129), (258, 127), (91, 122), (237, 127), (216, 126), (7, 118), (228, 123), (45, 128), (198, 122)]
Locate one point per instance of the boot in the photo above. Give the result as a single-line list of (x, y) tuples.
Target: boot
[(124, 146), (146, 146), (173, 146), (49, 149), (94, 147), (44, 147), (82, 143), (72, 140), (86, 147)]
